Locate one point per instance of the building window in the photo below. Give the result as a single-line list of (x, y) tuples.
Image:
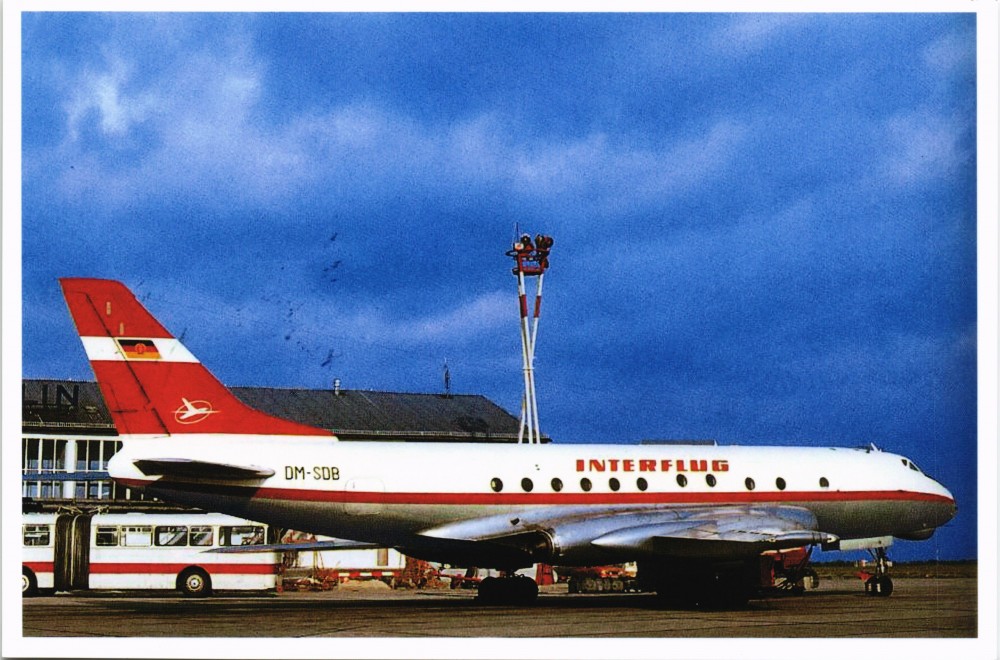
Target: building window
[(93, 455), (40, 454)]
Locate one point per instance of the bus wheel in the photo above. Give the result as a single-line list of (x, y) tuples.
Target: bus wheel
[(29, 585), (194, 582)]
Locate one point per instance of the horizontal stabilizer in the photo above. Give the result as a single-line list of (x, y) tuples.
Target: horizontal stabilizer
[(333, 544), (192, 469)]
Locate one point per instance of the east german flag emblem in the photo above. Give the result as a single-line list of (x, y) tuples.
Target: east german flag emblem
[(138, 349)]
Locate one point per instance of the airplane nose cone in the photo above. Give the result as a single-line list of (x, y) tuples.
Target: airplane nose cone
[(951, 509)]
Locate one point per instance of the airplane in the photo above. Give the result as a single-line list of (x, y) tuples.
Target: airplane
[(695, 517)]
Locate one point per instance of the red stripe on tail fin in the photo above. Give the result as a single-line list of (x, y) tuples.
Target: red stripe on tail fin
[(150, 382)]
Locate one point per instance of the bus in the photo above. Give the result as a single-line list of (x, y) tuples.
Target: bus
[(124, 551)]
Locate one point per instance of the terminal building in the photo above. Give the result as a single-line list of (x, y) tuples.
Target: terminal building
[(68, 436)]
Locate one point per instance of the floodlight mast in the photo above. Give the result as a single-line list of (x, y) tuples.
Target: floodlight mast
[(531, 260)]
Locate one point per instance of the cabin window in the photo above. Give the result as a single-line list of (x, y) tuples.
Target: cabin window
[(585, 485), (171, 535), (750, 483), (682, 481), (641, 483), (824, 482), (137, 536), (614, 484), (201, 535), (106, 536), (241, 535), (780, 483), (526, 485), (710, 480), (557, 484), (496, 485), (36, 535)]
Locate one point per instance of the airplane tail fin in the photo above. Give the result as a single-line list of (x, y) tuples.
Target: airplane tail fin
[(151, 383)]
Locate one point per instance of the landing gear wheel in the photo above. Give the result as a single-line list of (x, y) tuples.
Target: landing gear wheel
[(880, 584), (194, 583), (513, 590)]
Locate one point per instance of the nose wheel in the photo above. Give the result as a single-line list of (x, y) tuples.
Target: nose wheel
[(879, 584)]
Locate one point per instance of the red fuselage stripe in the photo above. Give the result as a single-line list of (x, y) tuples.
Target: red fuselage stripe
[(41, 566), (341, 496)]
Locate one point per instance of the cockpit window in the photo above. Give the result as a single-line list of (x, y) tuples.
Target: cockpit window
[(910, 464)]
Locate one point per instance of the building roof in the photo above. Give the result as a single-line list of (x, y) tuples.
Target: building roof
[(60, 406)]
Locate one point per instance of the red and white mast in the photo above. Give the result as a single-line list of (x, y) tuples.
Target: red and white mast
[(531, 260)]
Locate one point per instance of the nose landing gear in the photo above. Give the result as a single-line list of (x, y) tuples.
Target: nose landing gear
[(879, 584)]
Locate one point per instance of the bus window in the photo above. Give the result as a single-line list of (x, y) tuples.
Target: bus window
[(241, 535), (138, 536), (201, 535), (106, 536), (37, 535), (171, 535)]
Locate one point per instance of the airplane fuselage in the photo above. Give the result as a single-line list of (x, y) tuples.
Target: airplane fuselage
[(393, 493)]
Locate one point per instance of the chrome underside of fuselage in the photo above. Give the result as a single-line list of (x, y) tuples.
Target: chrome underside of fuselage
[(400, 524)]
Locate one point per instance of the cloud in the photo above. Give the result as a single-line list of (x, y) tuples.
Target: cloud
[(200, 126), (924, 146), (951, 53), (743, 34)]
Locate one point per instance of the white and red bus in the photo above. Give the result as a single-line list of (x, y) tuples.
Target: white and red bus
[(71, 551)]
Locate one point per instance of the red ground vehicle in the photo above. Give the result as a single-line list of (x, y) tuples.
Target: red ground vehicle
[(600, 579)]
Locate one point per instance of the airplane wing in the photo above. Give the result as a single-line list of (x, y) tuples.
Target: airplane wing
[(183, 467), (722, 531), (333, 544)]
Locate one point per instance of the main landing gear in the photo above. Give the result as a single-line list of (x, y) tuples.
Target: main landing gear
[(704, 585), (508, 589), (879, 584)]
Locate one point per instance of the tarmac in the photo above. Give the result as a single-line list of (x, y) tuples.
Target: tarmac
[(839, 608)]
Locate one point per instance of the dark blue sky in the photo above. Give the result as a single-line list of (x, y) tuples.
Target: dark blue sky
[(765, 225)]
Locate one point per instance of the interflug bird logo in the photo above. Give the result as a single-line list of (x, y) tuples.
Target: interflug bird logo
[(192, 412)]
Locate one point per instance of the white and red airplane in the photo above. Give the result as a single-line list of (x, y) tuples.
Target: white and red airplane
[(696, 518)]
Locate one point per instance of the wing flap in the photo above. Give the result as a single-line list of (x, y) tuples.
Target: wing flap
[(194, 469)]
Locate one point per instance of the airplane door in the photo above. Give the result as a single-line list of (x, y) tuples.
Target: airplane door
[(364, 497)]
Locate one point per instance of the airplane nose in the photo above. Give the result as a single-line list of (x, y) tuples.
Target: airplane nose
[(952, 509)]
